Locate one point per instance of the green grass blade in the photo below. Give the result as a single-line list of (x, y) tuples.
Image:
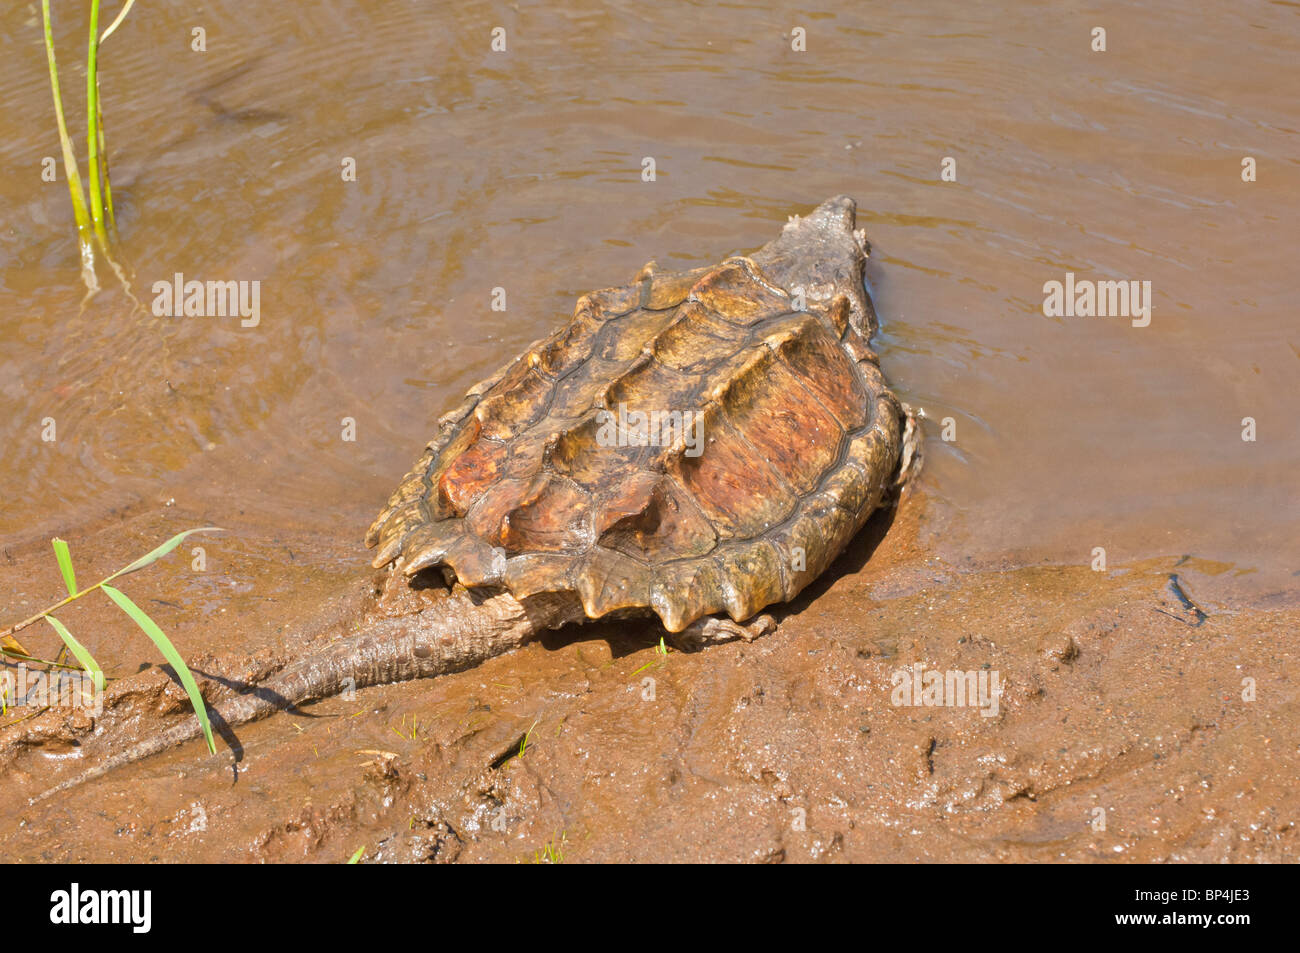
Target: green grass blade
[(75, 190), (65, 565), (109, 215), (93, 170), (357, 856), (169, 653), (157, 554), (103, 151), (84, 657)]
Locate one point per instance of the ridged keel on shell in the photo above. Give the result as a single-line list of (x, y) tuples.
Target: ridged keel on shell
[(771, 438)]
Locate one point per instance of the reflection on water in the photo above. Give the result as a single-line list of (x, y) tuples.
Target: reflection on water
[(522, 170)]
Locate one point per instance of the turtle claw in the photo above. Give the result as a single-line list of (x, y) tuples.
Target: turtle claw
[(712, 630), (909, 461)]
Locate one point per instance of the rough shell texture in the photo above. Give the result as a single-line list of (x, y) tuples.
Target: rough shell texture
[(545, 479)]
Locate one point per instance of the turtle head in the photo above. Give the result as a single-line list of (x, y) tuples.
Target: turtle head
[(824, 256)]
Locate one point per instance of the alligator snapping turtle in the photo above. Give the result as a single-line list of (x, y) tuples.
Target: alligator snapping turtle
[(695, 442), (776, 437)]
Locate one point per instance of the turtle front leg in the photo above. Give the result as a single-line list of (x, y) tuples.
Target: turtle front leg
[(712, 630)]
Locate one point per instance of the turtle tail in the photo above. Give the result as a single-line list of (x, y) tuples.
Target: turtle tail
[(463, 630)]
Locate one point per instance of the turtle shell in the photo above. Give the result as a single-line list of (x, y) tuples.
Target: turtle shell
[(695, 442)]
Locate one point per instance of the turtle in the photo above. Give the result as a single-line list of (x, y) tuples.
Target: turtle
[(695, 446), (693, 443)]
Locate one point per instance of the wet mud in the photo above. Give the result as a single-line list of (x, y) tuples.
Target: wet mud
[(1122, 732)]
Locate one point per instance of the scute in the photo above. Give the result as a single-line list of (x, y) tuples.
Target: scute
[(739, 492), (751, 578), (784, 422), (554, 518), (608, 581), (538, 483), (661, 525), (428, 543), (469, 474), (475, 562), (532, 573), (732, 292), (820, 364), (682, 592)]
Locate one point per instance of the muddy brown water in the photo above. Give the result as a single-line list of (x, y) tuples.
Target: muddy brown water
[(1047, 436)]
